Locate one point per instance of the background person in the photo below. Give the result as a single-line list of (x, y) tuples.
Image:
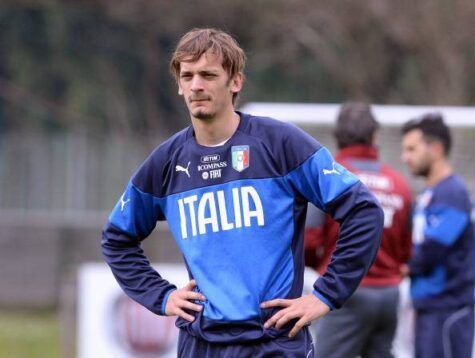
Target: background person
[(443, 264), (366, 325)]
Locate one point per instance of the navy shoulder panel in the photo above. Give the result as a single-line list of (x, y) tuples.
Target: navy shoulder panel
[(149, 178), (290, 145), (452, 192)]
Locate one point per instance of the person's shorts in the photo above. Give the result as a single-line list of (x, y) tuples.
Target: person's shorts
[(301, 346)]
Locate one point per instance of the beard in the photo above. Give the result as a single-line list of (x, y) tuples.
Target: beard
[(202, 115), (423, 170)]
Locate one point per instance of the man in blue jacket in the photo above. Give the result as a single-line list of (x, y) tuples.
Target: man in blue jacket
[(234, 189), (443, 262)]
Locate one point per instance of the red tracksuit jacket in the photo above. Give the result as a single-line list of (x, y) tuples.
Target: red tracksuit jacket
[(394, 195)]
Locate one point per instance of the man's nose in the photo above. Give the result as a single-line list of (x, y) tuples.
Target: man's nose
[(403, 157), (196, 83)]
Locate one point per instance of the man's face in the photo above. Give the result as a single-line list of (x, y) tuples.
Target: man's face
[(416, 153), (206, 86)]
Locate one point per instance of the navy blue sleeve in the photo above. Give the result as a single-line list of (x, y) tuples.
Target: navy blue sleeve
[(132, 220), (426, 257), (444, 225), (332, 188), (361, 225)]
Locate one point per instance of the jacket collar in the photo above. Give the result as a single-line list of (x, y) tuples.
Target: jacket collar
[(359, 151)]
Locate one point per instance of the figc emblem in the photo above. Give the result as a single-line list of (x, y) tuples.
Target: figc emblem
[(240, 154)]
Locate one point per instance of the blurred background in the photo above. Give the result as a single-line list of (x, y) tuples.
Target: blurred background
[(85, 95)]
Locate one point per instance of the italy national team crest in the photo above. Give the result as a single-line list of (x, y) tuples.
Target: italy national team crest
[(240, 154)]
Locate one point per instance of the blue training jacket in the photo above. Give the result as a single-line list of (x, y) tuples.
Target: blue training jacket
[(237, 213), (443, 263)]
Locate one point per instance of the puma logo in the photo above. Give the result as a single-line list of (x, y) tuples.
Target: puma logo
[(123, 202), (333, 171), (179, 168)]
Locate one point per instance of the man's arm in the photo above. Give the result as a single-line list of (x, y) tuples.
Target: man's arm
[(132, 220), (336, 191), (361, 223), (333, 189), (133, 271), (360, 236), (445, 224)]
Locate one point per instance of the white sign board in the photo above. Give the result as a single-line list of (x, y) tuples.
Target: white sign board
[(112, 325)]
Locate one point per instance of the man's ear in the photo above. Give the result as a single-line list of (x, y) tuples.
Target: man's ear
[(437, 149), (237, 82), (180, 91)]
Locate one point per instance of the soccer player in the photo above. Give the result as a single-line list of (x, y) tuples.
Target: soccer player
[(443, 264), (366, 325), (234, 189)]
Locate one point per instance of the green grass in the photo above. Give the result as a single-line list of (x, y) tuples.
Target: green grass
[(29, 334)]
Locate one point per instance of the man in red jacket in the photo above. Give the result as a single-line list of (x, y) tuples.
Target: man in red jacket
[(366, 325)]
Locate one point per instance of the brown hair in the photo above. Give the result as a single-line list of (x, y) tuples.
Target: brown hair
[(433, 128), (355, 125), (198, 41)]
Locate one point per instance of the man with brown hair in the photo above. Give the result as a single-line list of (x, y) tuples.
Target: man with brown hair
[(234, 189), (366, 325), (442, 269)]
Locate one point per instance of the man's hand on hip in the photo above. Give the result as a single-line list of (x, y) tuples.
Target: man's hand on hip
[(180, 299), (307, 309)]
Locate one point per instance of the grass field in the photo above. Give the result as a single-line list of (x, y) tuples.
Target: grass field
[(29, 334)]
